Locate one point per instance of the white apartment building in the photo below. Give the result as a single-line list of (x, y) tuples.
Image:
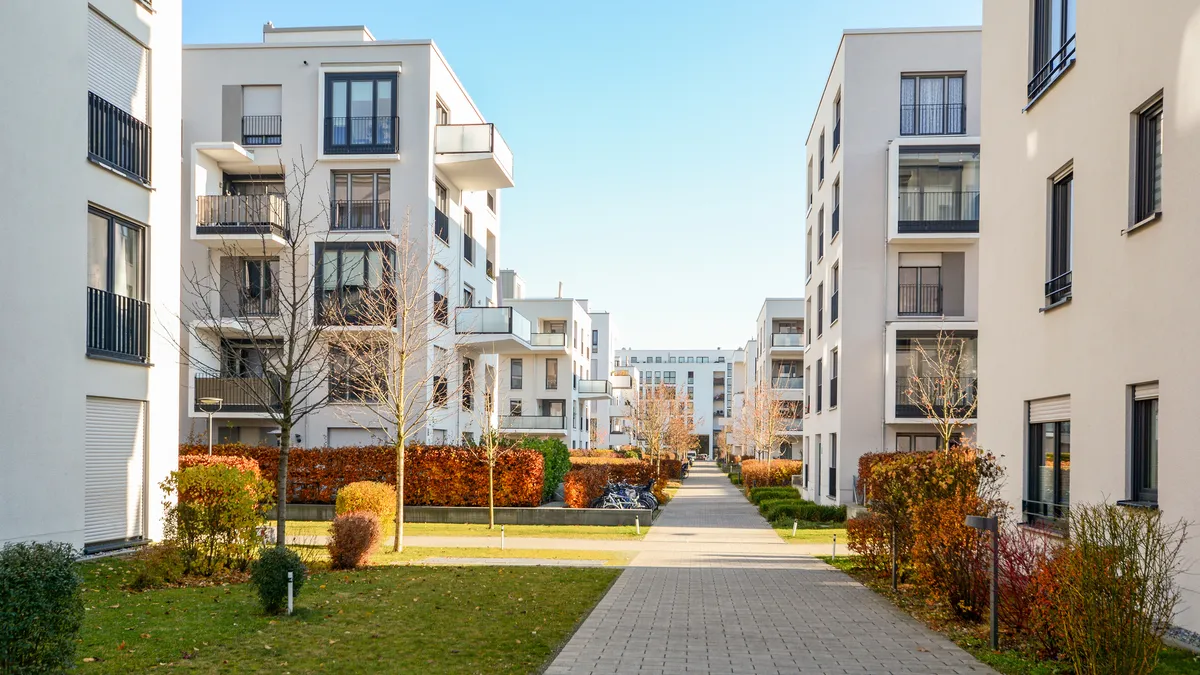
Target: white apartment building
[(544, 350), (92, 214), (701, 374), (778, 363), (1091, 246), (611, 418), (386, 132), (889, 265)]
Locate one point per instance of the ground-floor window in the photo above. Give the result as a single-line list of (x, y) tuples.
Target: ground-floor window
[(917, 442), (1049, 473), (1143, 448)]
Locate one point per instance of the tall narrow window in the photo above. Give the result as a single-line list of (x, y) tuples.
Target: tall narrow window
[(552, 373), (118, 318), (833, 449), (808, 250), (468, 299), (833, 378), (835, 225), (441, 113), (1053, 42), (821, 234), (516, 374), (820, 309), (835, 275), (1144, 445), (821, 158), (820, 366), (468, 383), (837, 122), (1049, 473), (441, 303), (441, 214), (810, 182), (468, 237), (1058, 284), (1148, 168)]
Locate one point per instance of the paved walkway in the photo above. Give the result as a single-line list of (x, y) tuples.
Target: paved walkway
[(715, 590)]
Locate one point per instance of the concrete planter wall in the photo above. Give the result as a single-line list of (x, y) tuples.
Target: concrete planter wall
[(479, 514)]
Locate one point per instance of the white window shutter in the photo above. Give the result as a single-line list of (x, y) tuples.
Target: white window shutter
[(118, 67)]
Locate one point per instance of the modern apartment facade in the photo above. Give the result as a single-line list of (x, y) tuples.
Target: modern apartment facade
[(611, 418), (1093, 241), (702, 375), (92, 171), (778, 363), (892, 239), (387, 144)]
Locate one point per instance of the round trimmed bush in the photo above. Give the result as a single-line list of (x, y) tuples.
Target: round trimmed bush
[(354, 536), (377, 498), (270, 575)]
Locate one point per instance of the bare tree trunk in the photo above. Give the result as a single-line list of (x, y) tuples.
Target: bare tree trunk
[(285, 447), (397, 546), (491, 495)]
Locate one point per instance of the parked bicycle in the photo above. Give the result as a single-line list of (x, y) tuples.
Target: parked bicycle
[(623, 495)]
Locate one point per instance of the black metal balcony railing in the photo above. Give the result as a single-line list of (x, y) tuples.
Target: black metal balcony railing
[(835, 222), (262, 129), (353, 306), (242, 214), (441, 225), (933, 119), (361, 135), (919, 299), (541, 422), (361, 214), (833, 392), (117, 326), (957, 398), (837, 134), (239, 394), (833, 307), (922, 211), (1058, 288), (1057, 63), (118, 140), (265, 304), (1046, 514)]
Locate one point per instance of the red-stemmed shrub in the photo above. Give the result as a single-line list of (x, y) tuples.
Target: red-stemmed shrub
[(353, 536)]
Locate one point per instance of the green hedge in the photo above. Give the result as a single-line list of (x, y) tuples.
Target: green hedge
[(556, 462), (798, 509), (758, 494), (41, 608)]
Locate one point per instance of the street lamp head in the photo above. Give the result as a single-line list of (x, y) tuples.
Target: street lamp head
[(211, 400)]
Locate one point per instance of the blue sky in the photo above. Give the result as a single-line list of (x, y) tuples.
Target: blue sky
[(659, 144)]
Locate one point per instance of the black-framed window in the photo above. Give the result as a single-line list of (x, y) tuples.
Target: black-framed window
[(361, 200), (118, 316), (835, 222), (468, 383), (821, 234), (810, 182), (833, 449), (835, 278), (257, 291), (821, 158), (441, 214), (348, 380), (1148, 162), (441, 301), (933, 104), (837, 122), (808, 251), (441, 391), (516, 374), (595, 339), (348, 274), (515, 407), (1053, 42), (919, 291), (1058, 278), (1048, 493), (1143, 451), (833, 378), (552, 373), (468, 236), (820, 309), (468, 297), (360, 113), (917, 442), (820, 367)]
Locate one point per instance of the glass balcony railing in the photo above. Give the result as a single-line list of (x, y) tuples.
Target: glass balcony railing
[(492, 321), (787, 340)]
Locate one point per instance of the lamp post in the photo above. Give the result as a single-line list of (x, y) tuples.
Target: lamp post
[(984, 523), (210, 405)]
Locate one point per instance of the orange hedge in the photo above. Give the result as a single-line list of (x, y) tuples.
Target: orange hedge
[(584, 483), (671, 468), (243, 463), (433, 475), (755, 473), (577, 452)]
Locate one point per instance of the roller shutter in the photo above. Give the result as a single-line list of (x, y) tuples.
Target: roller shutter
[(340, 437), (114, 498), (118, 67), (1056, 409), (1146, 391)]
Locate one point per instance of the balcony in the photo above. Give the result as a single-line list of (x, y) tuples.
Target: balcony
[(118, 140), (548, 340), (919, 300), (118, 327), (938, 211), (503, 330), (960, 404), (787, 382), (595, 389), (533, 423), (933, 119), (474, 156), (361, 214), (224, 218), (238, 394), (622, 381), (353, 305), (375, 135), (265, 304), (262, 129), (787, 340)]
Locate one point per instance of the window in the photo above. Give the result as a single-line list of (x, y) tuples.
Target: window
[(360, 113), (833, 378), (821, 234), (468, 298), (468, 237), (349, 381), (516, 374), (1148, 162), (349, 276), (820, 309), (361, 200), (820, 365), (833, 485), (1143, 451), (118, 319), (441, 392), (807, 313), (691, 377), (835, 276), (807, 384), (515, 407), (1053, 43), (919, 291), (441, 114), (441, 215), (837, 122), (691, 391), (1058, 284), (917, 442), (468, 383), (835, 224), (491, 201), (701, 359), (1049, 472), (669, 377), (932, 105), (595, 339), (117, 73), (808, 251), (552, 373), (670, 359), (441, 302), (821, 159), (262, 114), (658, 359), (810, 182), (256, 292)]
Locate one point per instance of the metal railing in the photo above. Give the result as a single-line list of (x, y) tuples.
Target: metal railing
[(262, 129), (957, 398), (933, 119), (916, 299), (595, 387), (833, 307), (1046, 514), (353, 306), (541, 422), (1057, 63), (835, 221), (441, 225), (118, 140), (1058, 288), (938, 211), (361, 135), (837, 134), (265, 304), (787, 339), (361, 214), (239, 394), (241, 214), (786, 382), (117, 326)]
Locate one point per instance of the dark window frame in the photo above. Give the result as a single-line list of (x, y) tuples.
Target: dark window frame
[(469, 237), (820, 309), (833, 378), (385, 137), (1045, 65), (441, 211), (1144, 451), (1147, 168), (1052, 514), (516, 374), (820, 366), (835, 278), (918, 305), (114, 221), (1059, 245), (386, 262), (552, 375), (380, 208), (916, 119)]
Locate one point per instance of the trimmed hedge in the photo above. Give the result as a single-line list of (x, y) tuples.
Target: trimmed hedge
[(433, 475), (41, 607), (798, 509), (758, 494), (556, 462), (369, 496), (243, 463), (755, 473), (583, 484)]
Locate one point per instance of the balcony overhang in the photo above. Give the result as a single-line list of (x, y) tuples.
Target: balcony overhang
[(592, 390), (473, 156)]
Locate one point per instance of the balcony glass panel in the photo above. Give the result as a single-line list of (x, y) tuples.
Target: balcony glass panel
[(939, 191)]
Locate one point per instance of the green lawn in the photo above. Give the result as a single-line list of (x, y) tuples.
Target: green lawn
[(625, 532), (1012, 659), (400, 619), (813, 533)]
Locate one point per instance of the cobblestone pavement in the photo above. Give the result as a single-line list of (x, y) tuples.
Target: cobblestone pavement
[(717, 591)]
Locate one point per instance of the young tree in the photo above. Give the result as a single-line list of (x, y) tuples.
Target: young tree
[(492, 447), (252, 311), (681, 430), (650, 416), (766, 419), (398, 363), (941, 384)]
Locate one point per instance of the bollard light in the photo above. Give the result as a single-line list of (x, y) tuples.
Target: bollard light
[(501, 537), (986, 524), (835, 546), (289, 593), (795, 524), (637, 522)]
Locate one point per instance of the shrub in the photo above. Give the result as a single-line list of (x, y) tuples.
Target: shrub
[(789, 510), (869, 537), (214, 522), (1116, 591), (244, 463), (269, 574), (756, 474), (1025, 582), (951, 558), (766, 504), (353, 537), (157, 565), (585, 482), (757, 495), (580, 452), (41, 610), (365, 495), (556, 462)]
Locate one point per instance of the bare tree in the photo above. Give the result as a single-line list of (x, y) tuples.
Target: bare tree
[(492, 447), (681, 435), (766, 419), (942, 385), (650, 416), (251, 333), (399, 363)]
